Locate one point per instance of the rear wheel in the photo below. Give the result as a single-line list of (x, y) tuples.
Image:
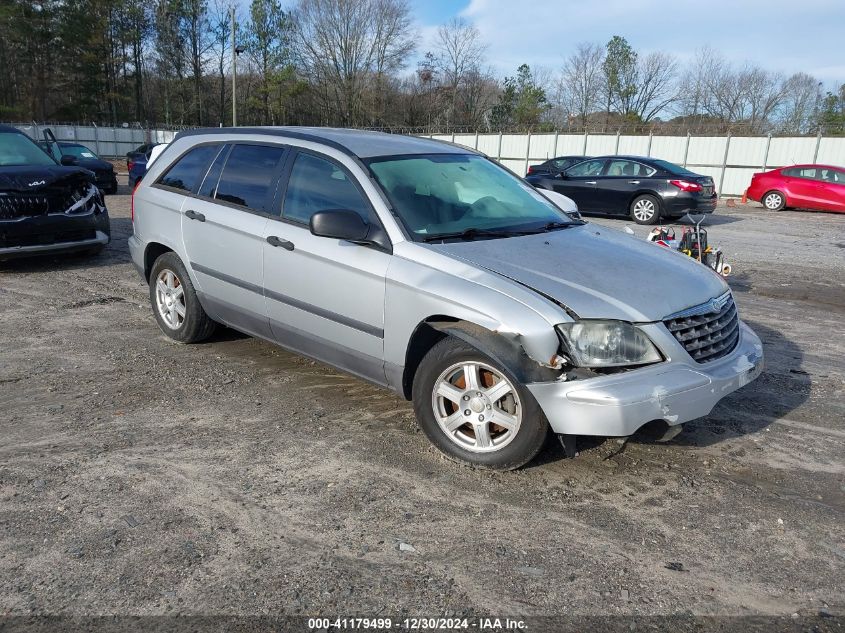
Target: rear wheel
[(176, 308), (774, 201), (474, 410), (645, 209)]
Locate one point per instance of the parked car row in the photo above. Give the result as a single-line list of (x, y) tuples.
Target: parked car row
[(651, 190)]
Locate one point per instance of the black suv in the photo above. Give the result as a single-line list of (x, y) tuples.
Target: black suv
[(46, 207)]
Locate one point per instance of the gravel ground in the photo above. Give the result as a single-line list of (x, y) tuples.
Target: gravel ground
[(142, 477)]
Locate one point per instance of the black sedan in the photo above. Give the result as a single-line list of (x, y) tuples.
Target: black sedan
[(553, 167), (70, 153), (646, 189)]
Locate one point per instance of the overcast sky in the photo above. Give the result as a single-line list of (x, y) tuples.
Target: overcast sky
[(780, 35)]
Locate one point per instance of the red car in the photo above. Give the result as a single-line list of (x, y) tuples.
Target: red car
[(820, 187)]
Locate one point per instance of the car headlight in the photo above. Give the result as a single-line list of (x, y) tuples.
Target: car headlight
[(607, 344)]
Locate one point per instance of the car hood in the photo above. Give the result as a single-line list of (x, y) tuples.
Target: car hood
[(596, 272), (95, 164), (31, 178)]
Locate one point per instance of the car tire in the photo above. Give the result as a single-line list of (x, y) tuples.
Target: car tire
[(178, 313), (774, 200), (470, 438), (645, 209)]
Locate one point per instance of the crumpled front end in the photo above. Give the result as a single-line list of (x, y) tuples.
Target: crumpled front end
[(675, 391), (65, 215)]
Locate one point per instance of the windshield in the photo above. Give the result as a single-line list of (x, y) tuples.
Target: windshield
[(672, 168), (80, 151), (17, 150), (437, 194)]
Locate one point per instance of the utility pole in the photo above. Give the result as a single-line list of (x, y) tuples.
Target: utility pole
[(234, 72)]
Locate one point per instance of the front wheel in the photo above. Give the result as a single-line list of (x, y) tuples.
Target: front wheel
[(176, 308), (645, 209), (474, 410), (774, 201)]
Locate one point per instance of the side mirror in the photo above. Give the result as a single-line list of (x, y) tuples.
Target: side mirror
[(69, 161), (340, 224), (562, 175)]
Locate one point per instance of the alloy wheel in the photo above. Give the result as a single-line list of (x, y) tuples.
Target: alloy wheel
[(644, 209), (477, 407), (170, 299)]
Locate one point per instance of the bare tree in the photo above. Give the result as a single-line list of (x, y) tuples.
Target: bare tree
[(801, 102), (581, 81), (342, 43), (459, 50), (693, 88), (655, 77)]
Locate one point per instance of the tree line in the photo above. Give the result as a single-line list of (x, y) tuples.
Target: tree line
[(357, 63)]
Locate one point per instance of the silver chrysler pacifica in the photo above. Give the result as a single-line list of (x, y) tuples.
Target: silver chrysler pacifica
[(431, 270)]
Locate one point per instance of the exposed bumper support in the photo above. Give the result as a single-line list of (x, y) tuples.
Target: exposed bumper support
[(676, 392), (10, 252)]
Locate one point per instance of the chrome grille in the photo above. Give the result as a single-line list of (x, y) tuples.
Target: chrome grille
[(707, 332)]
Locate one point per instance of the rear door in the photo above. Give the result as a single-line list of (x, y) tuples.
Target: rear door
[(223, 228), (579, 183), (325, 297), (621, 179)]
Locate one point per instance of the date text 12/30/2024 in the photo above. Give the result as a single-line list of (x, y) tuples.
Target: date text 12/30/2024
[(417, 624)]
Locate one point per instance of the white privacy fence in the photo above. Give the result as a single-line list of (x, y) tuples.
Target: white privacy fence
[(105, 141), (730, 161)]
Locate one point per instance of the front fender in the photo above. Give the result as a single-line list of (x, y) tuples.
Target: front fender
[(421, 283)]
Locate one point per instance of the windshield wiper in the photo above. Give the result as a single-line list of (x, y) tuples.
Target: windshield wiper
[(551, 226), (473, 232)]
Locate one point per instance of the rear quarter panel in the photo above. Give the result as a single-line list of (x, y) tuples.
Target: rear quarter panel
[(158, 217)]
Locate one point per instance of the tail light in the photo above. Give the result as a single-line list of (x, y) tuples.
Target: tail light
[(132, 202), (532, 169), (130, 164), (686, 185)]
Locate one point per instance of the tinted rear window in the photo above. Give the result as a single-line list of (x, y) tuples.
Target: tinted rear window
[(249, 177), (209, 185), (672, 168), (187, 172)]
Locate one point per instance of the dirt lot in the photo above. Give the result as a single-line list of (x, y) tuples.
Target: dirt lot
[(142, 477)]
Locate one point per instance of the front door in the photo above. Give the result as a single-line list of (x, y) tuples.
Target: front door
[(832, 188), (579, 183), (325, 297)]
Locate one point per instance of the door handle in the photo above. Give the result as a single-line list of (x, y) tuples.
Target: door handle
[(193, 215), (590, 182), (633, 182), (272, 240)]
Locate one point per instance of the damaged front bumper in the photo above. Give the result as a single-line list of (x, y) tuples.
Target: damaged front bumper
[(675, 391), (84, 225)]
